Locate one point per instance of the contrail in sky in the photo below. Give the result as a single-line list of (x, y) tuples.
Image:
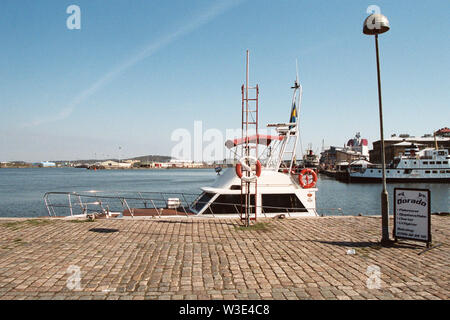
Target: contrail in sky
[(202, 19)]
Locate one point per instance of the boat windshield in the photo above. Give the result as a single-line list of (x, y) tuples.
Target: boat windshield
[(288, 202), (227, 203), (202, 201)]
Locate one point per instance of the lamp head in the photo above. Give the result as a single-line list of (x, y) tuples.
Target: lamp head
[(376, 24)]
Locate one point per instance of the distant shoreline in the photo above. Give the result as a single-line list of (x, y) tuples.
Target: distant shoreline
[(143, 168)]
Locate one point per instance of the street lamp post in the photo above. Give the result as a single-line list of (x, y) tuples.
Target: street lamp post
[(376, 24)]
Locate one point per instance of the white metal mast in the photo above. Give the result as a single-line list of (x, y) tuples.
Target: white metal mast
[(289, 131)]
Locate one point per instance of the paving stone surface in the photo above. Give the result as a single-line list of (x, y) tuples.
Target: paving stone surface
[(191, 258)]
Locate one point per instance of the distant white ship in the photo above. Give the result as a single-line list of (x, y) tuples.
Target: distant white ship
[(427, 165)]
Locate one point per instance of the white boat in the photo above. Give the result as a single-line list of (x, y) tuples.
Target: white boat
[(278, 189), (427, 165)]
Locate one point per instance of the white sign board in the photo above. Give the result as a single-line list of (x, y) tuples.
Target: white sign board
[(412, 218)]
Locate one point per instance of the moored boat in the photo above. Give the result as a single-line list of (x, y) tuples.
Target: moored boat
[(276, 190), (309, 160), (427, 165)]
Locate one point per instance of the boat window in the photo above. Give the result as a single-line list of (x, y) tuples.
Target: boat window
[(415, 162), (448, 171), (407, 171), (442, 171), (431, 162), (425, 162), (398, 171), (441, 153), (427, 171), (227, 203), (286, 202), (371, 170), (434, 171), (202, 201), (235, 187), (438, 162), (444, 162)]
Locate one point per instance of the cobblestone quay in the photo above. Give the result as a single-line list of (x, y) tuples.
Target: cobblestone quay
[(191, 258)]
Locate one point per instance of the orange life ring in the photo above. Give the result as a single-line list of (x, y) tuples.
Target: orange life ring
[(239, 170), (307, 173), (258, 168)]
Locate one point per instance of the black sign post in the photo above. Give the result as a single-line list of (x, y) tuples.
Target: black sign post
[(412, 214)]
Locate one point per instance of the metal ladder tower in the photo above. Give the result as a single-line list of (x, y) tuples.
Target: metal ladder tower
[(249, 126)]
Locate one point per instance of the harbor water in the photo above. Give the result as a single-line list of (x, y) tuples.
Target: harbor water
[(22, 190)]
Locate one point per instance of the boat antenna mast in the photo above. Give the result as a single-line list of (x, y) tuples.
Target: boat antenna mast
[(288, 130)]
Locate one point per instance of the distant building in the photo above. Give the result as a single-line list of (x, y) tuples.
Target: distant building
[(355, 149), (109, 164), (131, 161), (47, 164), (444, 132), (396, 145), (151, 164), (159, 165), (177, 163)]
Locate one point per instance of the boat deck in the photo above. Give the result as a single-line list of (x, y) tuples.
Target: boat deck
[(153, 212)]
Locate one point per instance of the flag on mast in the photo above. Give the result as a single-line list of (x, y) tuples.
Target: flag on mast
[(293, 118), (296, 86)]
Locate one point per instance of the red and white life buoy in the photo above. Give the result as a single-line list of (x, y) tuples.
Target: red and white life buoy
[(243, 164), (310, 176)]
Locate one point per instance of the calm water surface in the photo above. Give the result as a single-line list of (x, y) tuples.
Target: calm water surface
[(22, 190)]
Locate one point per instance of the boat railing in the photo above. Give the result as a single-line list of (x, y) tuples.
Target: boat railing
[(63, 204), (109, 204)]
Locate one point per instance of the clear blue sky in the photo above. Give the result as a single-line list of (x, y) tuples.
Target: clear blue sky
[(138, 69)]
